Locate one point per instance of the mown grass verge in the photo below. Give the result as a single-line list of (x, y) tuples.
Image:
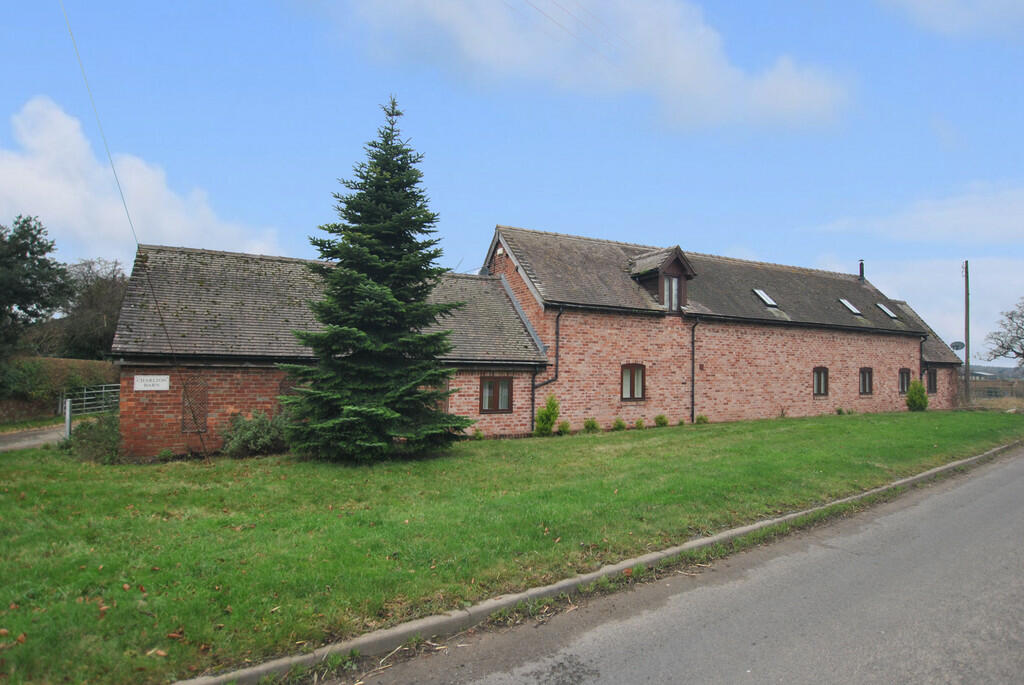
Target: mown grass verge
[(150, 573)]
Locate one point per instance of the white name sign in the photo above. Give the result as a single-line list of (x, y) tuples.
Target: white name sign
[(152, 383)]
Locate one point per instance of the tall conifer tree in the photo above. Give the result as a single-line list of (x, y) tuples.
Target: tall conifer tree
[(377, 386)]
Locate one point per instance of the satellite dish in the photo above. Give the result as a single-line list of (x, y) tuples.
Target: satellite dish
[(957, 345)]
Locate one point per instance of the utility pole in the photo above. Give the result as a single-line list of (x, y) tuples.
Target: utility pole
[(967, 333)]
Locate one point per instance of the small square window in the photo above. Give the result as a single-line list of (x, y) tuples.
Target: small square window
[(820, 381), (633, 382), (866, 381), (904, 381), (932, 376), (496, 395)]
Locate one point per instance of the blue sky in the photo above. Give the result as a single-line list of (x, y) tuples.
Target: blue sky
[(806, 133)]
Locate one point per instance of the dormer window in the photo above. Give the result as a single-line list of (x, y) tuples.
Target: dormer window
[(670, 295)]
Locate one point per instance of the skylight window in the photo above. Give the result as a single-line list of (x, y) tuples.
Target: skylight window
[(849, 305), (765, 297), (886, 310)]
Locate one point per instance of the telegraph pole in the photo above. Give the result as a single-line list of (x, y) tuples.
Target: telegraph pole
[(967, 333)]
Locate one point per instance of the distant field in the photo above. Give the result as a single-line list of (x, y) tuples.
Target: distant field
[(151, 573)]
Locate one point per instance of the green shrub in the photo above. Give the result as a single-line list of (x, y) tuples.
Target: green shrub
[(564, 428), (618, 424), (260, 434), (97, 441), (682, 421), (639, 424), (547, 417), (590, 426), (478, 434), (917, 398), (839, 411), (700, 419), (660, 420)]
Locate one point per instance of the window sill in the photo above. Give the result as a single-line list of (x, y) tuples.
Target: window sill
[(495, 411), (632, 399)]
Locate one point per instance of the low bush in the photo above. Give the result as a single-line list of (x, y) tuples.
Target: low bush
[(639, 424), (260, 434), (660, 420), (564, 428), (917, 398), (618, 424), (97, 441), (590, 426), (839, 411), (700, 419), (547, 417)]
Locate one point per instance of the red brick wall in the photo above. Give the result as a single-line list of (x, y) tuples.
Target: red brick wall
[(151, 420), (948, 390), (752, 371), (466, 401)]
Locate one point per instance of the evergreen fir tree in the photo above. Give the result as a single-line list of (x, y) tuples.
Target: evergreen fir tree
[(377, 386)]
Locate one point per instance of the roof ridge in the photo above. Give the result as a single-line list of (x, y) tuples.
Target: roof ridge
[(651, 248), (200, 250), (475, 277), (773, 264), (579, 237)]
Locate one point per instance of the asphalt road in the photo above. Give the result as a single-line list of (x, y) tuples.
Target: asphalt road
[(928, 588), (30, 438)]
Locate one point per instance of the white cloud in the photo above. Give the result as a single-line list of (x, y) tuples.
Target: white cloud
[(54, 174), (983, 213), (659, 48), (965, 17)]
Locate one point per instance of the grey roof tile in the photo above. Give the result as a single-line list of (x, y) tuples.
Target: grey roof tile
[(231, 305), (582, 271)]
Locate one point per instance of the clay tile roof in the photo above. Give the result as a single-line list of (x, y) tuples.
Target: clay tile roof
[(573, 270), (228, 305)]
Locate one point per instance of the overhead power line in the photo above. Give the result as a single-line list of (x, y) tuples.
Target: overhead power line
[(189, 402)]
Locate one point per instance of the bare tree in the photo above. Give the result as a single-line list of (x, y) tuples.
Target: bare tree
[(1008, 341)]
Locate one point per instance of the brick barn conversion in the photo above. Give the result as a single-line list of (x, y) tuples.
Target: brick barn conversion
[(613, 330)]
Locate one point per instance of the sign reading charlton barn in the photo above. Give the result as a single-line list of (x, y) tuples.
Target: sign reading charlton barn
[(152, 383)]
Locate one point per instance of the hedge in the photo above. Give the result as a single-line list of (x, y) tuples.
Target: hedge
[(42, 379)]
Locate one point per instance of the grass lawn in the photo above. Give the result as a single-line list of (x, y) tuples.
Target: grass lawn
[(150, 573)]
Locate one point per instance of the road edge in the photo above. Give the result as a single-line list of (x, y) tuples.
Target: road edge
[(386, 640)]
